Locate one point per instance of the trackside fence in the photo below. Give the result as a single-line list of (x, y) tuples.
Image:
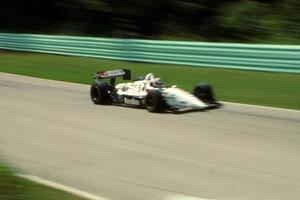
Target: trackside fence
[(274, 58)]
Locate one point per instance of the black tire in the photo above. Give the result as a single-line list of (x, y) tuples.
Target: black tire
[(204, 92), (99, 93), (154, 101)]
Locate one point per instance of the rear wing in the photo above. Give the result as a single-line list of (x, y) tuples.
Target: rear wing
[(112, 74)]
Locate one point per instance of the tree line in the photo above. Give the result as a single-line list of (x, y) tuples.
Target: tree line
[(272, 21)]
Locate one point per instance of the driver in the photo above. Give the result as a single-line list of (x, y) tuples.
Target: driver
[(157, 83)]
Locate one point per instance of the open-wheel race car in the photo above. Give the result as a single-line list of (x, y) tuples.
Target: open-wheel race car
[(149, 92)]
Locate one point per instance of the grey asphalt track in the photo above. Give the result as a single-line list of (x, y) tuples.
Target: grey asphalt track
[(52, 130)]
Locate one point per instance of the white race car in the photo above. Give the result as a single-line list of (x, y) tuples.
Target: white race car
[(149, 92)]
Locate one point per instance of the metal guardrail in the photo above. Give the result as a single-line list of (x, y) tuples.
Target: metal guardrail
[(274, 58)]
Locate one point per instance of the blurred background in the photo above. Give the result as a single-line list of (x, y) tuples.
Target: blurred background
[(249, 21)]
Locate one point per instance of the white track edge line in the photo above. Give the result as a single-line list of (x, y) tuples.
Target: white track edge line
[(258, 106), (226, 102), (90, 196), (43, 79), (62, 187)]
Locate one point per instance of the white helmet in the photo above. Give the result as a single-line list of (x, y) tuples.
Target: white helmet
[(157, 83)]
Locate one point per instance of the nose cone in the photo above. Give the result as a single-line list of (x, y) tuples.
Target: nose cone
[(179, 99)]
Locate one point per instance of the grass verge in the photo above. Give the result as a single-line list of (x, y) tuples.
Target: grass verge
[(260, 88), (15, 188)]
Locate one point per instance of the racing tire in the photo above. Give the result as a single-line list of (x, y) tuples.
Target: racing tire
[(204, 92), (154, 101), (99, 94)]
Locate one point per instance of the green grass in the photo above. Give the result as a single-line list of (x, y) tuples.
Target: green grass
[(260, 88), (15, 188)]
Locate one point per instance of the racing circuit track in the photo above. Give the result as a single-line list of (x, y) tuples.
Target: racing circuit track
[(52, 130)]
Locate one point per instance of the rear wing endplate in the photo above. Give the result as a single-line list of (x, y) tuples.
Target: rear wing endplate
[(125, 73)]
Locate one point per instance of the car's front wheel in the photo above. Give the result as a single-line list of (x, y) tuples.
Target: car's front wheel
[(204, 92)]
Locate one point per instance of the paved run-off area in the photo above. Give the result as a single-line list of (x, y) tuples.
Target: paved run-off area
[(52, 130)]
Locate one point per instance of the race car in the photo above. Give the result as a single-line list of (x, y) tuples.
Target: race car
[(149, 92)]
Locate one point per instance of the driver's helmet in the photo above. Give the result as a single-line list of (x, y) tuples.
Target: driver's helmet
[(157, 83)]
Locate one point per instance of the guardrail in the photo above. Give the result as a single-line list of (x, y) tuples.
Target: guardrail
[(274, 58)]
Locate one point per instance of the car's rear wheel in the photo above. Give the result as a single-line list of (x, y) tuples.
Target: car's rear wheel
[(154, 101), (99, 94)]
